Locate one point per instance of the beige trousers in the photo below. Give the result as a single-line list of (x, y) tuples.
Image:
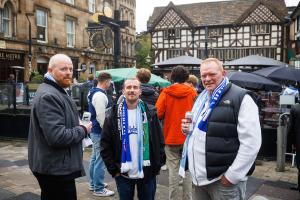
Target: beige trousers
[(173, 154)]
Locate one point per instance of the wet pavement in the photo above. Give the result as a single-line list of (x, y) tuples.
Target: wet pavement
[(18, 183)]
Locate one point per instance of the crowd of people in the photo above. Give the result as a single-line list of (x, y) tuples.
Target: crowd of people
[(212, 149)]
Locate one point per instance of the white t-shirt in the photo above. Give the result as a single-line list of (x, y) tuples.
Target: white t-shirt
[(133, 141)]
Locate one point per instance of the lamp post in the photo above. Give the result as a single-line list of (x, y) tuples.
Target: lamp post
[(29, 41), (148, 59)]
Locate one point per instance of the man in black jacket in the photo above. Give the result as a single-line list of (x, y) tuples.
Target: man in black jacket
[(55, 133), (294, 135), (132, 145)]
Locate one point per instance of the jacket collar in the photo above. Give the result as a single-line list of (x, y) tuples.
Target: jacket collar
[(54, 84)]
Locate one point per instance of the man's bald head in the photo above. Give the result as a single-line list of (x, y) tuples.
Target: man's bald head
[(58, 58), (61, 68)]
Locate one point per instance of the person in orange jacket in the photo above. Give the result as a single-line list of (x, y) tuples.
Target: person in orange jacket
[(172, 104)]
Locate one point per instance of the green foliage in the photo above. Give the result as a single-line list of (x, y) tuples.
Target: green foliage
[(142, 52), (81, 79), (37, 78)]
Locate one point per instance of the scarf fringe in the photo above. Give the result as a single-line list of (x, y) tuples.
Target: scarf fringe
[(126, 167), (146, 163)]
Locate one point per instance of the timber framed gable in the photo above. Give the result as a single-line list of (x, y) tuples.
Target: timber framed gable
[(240, 28)]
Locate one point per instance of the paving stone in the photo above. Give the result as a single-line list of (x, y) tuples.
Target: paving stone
[(5, 194), (277, 192), (17, 180), (26, 196)]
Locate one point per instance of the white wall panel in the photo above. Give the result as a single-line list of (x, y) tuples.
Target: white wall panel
[(273, 42), (274, 27)]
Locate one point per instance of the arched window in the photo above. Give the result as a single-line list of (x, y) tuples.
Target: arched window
[(6, 20)]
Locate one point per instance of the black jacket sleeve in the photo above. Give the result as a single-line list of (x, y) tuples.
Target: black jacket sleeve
[(108, 143), (158, 131)]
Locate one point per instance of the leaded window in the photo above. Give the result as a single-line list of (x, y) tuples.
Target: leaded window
[(171, 33), (260, 29), (215, 32), (173, 53)]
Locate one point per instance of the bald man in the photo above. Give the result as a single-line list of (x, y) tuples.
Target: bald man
[(55, 133), (224, 138)]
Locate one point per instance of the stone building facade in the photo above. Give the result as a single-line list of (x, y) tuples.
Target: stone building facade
[(58, 26)]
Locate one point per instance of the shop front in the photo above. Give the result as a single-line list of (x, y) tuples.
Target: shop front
[(9, 59)]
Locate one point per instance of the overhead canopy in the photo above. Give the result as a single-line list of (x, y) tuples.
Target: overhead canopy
[(255, 60), (120, 74), (280, 73), (253, 81), (181, 60)]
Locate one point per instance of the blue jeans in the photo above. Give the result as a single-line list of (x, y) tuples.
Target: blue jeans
[(145, 190), (97, 167)]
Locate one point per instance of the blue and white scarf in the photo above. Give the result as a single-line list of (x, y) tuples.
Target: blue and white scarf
[(49, 77), (143, 138), (198, 108)]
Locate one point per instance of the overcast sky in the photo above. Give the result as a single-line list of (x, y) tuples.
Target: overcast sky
[(144, 9)]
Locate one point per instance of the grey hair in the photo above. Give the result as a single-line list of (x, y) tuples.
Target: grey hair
[(212, 60), (56, 58)]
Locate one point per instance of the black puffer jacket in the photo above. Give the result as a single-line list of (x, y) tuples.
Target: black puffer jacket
[(111, 143), (149, 94)]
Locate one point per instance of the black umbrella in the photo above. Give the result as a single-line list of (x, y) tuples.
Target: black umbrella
[(253, 81), (280, 73), (254, 60)]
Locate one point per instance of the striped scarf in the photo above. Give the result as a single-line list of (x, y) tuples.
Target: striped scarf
[(198, 108), (142, 125)]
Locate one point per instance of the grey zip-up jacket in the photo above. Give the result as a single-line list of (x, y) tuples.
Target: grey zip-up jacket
[(55, 136)]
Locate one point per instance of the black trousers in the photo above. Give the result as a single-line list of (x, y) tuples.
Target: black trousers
[(56, 188)]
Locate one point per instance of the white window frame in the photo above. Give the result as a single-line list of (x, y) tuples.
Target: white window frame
[(172, 33), (45, 26), (70, 33), (92, 6), (215, 32), (70, 2), (6, 21), (260, 29)]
